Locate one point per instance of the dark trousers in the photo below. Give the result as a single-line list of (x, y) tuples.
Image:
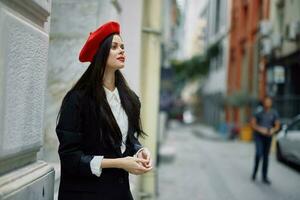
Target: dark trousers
[(262, 147)]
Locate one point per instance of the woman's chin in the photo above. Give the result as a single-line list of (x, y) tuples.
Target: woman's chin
[(120, 66)]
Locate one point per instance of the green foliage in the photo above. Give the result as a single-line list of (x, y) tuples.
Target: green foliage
[(197, 66), (194, 68), (213, 51), (190, 69)]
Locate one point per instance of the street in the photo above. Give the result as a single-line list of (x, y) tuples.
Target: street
[(208, 168)]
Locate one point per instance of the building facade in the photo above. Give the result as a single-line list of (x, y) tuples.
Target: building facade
[(217, 16), (264, 58), (283, 66), (24, 39), (246, 68)]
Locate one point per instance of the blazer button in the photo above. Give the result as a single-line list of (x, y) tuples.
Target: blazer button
[(121, 180)]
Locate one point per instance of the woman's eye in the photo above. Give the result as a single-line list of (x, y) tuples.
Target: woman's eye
[(115, 46)]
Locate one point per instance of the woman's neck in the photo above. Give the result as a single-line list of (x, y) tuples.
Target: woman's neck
[(109, 79)]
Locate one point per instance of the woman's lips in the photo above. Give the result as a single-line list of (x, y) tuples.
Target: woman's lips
[(121, 59)]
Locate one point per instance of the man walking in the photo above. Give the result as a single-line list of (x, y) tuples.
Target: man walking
[(265, 124)]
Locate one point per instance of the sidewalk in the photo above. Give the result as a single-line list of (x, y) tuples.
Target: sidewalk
[(205, 166), (207, 132), (167, 150)]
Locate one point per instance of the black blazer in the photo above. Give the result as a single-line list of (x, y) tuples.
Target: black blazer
[(79, 140)]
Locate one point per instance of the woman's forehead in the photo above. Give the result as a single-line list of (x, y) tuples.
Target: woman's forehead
[(117, 39)]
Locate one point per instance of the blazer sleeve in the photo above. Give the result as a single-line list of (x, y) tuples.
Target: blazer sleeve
[(136, 145), (73, 160)]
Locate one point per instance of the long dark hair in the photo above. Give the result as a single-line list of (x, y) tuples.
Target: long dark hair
[(90, 85)]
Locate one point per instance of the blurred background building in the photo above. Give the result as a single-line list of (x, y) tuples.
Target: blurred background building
[(250, 50), (245, 79), (283, 64), (264, 47), (216, 14)]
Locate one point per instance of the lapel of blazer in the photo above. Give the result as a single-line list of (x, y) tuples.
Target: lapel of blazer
[(116, 147), (128, 141), (129, 135)]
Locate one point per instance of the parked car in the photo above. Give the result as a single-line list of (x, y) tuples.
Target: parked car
[(288, 142)]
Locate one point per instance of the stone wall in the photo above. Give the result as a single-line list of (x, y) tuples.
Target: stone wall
[(24, 36)]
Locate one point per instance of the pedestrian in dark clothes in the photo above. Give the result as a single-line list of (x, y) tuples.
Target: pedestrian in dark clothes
[(99, 125), (265, 124)]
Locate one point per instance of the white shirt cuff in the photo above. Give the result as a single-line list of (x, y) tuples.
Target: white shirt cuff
[(95, 165), (141, 149)]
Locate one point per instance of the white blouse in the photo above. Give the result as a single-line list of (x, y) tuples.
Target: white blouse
[(113, 99)]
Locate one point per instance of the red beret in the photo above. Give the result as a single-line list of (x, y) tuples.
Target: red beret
[(93, 42)]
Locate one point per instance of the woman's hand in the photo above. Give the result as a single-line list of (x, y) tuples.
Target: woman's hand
[(146, 155), (135, 165)]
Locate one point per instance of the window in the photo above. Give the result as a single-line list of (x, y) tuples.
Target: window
[(218, 16)]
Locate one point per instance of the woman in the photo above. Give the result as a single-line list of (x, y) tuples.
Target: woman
[(98, 126)]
